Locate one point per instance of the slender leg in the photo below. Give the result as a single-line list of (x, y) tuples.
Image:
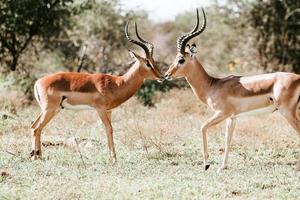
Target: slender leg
[(298, 165), (106, 119), (45, 117), (33, 124), (109, 115), (292, 119), (230, 125), (214, 120)]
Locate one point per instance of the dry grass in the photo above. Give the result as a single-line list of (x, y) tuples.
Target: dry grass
[(159, 155)]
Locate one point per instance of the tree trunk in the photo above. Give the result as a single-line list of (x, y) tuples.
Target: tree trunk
[(14, 63)]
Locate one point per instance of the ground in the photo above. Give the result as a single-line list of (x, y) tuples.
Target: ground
[(158, 151)]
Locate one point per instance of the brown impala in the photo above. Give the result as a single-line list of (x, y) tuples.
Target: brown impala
[(101, 92), (233, 96)]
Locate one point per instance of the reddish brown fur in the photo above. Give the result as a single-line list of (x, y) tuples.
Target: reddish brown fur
[(100, 91), (246, 90)]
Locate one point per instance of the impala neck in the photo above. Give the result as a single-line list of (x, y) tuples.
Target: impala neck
[(199, 80), (132, 81)]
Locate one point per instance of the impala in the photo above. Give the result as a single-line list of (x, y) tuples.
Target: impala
[(101, 92), (234, 96)]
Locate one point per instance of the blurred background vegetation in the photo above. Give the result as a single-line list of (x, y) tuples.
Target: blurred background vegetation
[(46, 36)]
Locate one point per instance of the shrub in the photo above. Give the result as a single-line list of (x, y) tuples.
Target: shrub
[(277, 28), (147, 91)]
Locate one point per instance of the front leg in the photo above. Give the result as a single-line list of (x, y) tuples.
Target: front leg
[(214, 120), (105, 116)]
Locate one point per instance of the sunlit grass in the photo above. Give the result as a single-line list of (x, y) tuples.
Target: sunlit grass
[(159, 155)]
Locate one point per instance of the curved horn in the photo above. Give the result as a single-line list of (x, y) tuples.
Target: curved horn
[(136, 42), (151, 46), (184, 35), (183, 42)]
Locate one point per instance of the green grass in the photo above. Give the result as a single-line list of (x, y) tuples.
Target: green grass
[(159, 156)]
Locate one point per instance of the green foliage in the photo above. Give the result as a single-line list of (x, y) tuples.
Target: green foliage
[(23, 21), (277, 26), (22, 81), (148, 89), (101, 28), (26, 83)]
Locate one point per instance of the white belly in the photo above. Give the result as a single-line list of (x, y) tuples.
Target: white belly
[(265, 110), (75, 107)]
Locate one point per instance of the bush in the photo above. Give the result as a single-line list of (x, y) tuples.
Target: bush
[(147, 91), (277, 28), (22, 81)]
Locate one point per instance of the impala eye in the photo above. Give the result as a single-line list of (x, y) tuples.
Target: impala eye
[(181, 61)]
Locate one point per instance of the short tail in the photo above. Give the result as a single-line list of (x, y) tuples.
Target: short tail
[(298, 109), (36, 93)]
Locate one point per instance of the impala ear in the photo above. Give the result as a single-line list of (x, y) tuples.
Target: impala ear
[(187, 48), (193, 49), (134, 55)]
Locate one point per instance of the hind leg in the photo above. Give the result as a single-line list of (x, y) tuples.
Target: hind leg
[(295, 123), (34, 123), (33, 126), (230, 125), (37, 127)]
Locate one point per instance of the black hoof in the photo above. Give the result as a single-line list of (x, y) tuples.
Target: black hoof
[(206, 167), (32, 153)]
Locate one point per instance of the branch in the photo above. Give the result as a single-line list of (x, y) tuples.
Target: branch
[(26, 43), (82, 58)]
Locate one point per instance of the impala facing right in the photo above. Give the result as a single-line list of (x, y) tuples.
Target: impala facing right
[(233, 96)]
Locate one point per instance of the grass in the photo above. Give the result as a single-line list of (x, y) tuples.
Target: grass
[(159, 155)]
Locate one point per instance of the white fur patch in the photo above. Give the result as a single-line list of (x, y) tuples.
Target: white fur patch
[(76, 107), (265, 110)]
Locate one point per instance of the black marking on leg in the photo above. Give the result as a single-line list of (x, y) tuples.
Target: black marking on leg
[(37, 152), (63, 98), (206, 167), (271, 99), (32, 153)]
